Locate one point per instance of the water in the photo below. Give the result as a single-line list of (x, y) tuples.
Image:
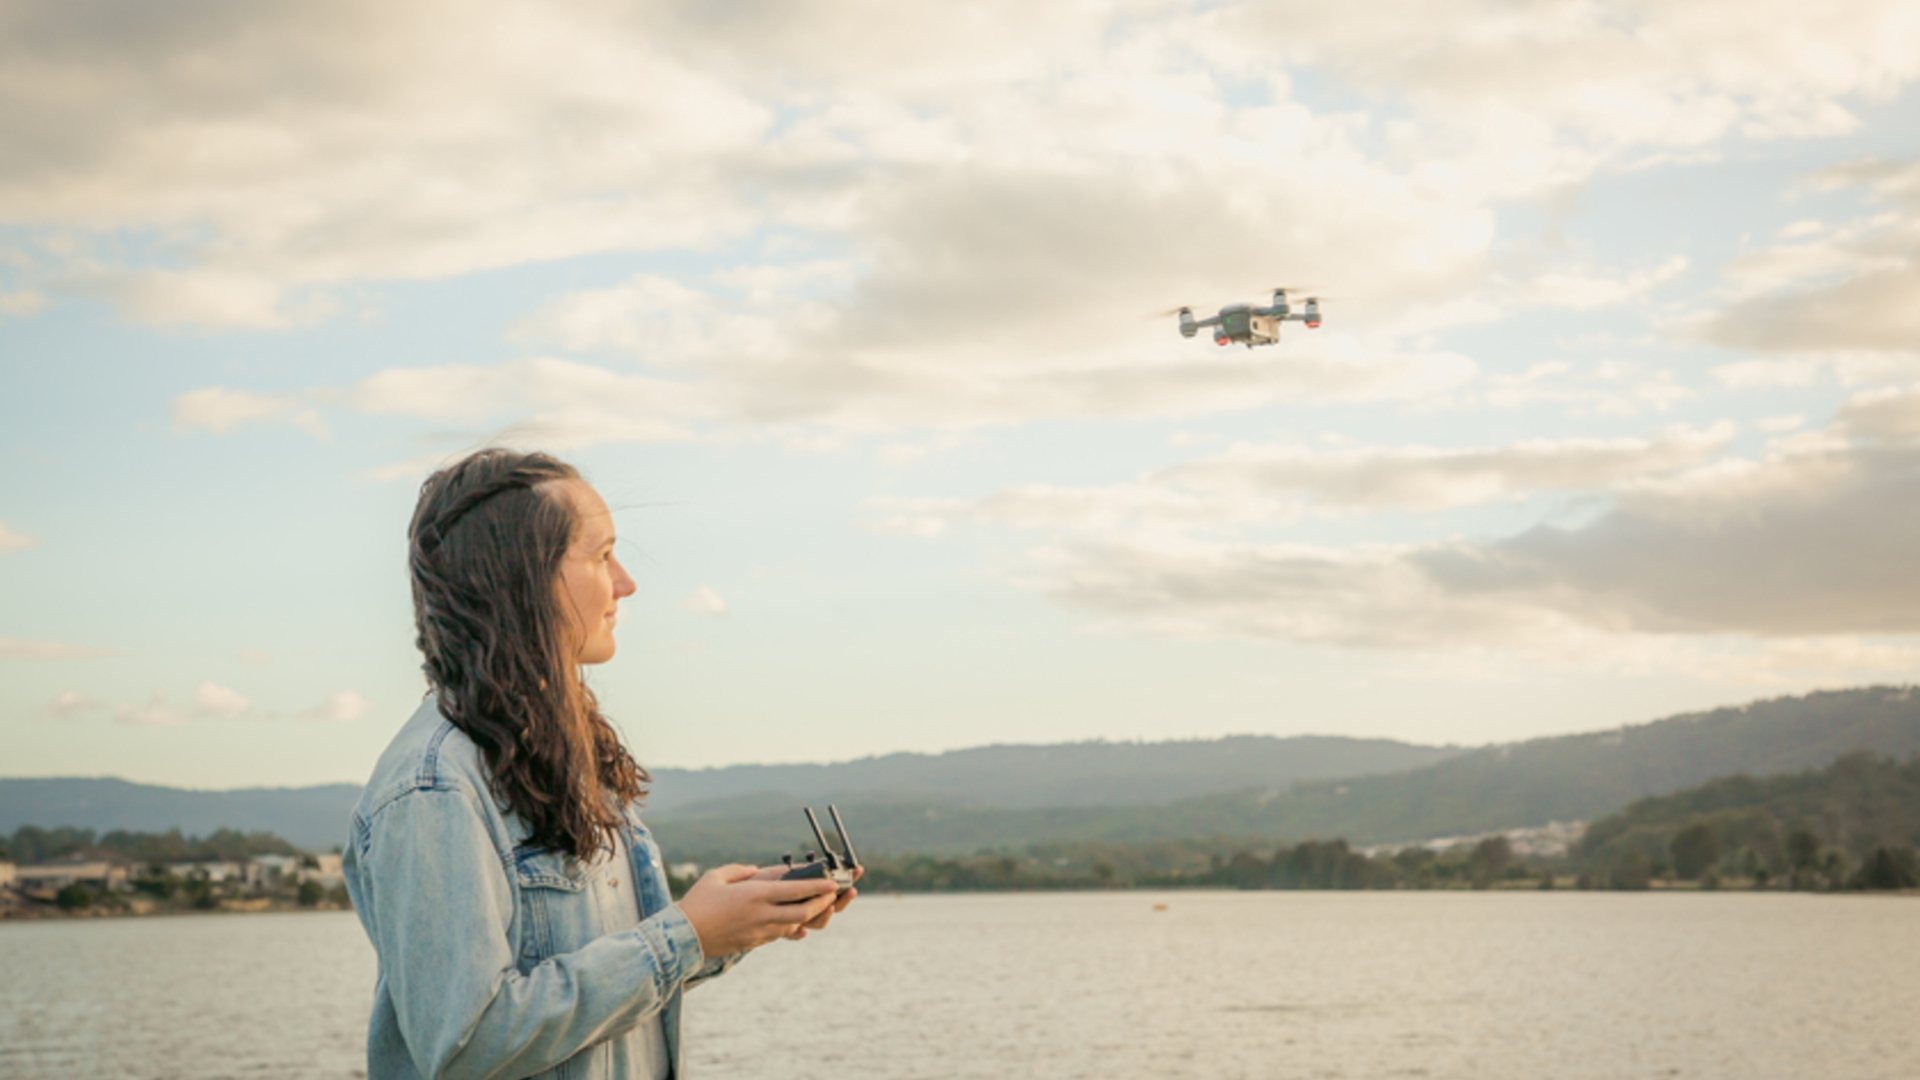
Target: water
[(1218, 985)]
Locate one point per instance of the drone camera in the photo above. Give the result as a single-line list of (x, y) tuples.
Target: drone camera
[(835, 866)]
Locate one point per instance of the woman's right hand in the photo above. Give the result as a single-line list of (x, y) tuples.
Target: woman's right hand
[(731, 911)]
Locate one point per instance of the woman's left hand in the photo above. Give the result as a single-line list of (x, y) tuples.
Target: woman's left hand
[(774, 873)]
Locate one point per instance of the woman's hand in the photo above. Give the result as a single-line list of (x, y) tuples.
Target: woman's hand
[(733, 908), (775, 873)]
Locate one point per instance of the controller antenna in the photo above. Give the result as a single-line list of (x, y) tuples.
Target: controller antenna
[(841, 828), (822, 837)]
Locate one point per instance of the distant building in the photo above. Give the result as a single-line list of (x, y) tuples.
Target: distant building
[(208, 870), (325, 870), (271, 869), (6, 875), (684, 870), (72, 870)]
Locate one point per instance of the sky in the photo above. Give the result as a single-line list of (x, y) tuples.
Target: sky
[(851, 311)]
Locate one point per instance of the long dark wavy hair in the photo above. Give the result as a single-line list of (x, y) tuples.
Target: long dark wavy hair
[(484, 550)]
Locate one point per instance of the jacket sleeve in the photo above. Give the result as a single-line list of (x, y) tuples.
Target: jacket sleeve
[(442, 921), (713, 969)]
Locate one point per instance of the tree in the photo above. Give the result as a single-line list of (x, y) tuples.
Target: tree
[(310, 893), (1890, 868), (74, 897), (1489, 860), (1631, 871), (1803, 849), (1695, 850)]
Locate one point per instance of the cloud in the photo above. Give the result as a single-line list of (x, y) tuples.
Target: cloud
[(212, 700), (154, 713), (1809, 542), (219, 410), (341, 707), (1790, 563), (71, 703), (1583, 289), (1603, 78), (276, 153), (1275, 484), (11, 540), (214, 299), (1429, 478), (14, 648), (704, 601), (1833, 294), (1890, 414), (562, 403), (22, 303), (891, 253)]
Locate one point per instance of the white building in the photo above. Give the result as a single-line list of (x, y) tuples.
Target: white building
[(209, 870), (74, 869), (325, 871)]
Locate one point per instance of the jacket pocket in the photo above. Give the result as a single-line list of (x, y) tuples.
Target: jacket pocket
[(549, 885)]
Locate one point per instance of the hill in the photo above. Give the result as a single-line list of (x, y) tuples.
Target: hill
[(1565, 778), (1034, 777), (1794, 822), (1070, 774), (311, 818), (1007, 797)]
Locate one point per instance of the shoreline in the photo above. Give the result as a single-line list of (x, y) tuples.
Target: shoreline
[(41, 913)]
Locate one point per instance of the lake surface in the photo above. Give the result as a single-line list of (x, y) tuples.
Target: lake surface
[(1218, 985)]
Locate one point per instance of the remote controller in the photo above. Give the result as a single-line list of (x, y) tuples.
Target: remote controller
[(837, 867)]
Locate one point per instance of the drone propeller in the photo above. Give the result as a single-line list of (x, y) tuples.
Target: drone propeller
[(1170, 312)]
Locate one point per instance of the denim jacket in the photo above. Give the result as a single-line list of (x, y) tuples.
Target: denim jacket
[(490, 962)]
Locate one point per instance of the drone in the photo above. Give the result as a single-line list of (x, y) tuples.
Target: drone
[(1248, 325)]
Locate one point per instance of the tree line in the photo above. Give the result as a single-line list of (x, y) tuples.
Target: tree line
[(33, 844)]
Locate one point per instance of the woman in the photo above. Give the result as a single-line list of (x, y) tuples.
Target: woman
[(517, 904)]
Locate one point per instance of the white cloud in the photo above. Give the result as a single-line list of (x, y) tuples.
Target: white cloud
[(918, 256), (1274, 484), (1583, 289), (1429, 478), (1848, 296), (22, 302), (1828, 531), (1890, 414), (220, 410), (213, 299), (564, 403), (11, 540), (1760, 374), (341, 707), (211, 699), (704, 601), (71, 703), (154, 713), (15, 648)]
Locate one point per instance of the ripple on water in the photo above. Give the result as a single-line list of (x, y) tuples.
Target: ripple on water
[(1219, 985)]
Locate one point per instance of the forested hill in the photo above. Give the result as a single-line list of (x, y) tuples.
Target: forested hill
[(1070, 774), (1858, 804), (311, 818), (1011, 796), (1030, 777), (1566, 778)]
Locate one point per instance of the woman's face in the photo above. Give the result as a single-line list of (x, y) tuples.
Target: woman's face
[(592, 582)]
